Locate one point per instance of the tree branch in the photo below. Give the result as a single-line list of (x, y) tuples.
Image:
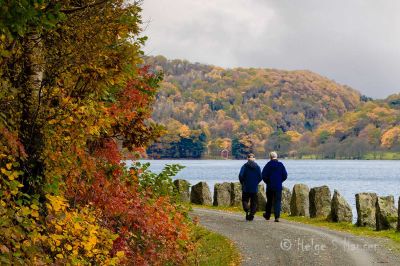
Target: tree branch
[(78, 8)]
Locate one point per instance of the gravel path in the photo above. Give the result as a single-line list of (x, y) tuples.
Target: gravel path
[(288, 243)]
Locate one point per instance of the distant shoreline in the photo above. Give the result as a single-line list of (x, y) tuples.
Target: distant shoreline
[(293, 159)]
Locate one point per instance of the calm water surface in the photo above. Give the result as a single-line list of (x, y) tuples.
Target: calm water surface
[(347, 176)]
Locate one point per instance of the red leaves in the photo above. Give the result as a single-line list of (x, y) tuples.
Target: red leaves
[(11, 143), (131, 111), (107, 149), (150, 229)]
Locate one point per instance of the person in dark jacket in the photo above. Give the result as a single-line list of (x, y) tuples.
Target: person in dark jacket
[(250, 177), (274, 174)]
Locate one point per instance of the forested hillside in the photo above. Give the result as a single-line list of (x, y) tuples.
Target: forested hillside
[(208, 109)]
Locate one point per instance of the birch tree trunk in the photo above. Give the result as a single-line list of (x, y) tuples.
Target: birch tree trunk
[(30, 96)]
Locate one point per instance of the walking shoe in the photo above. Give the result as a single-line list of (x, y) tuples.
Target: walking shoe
[(276, 220), (265, 216), (247, 216), (251, 217)]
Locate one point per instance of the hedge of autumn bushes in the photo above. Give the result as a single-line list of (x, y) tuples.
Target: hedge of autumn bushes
[(72, 88)]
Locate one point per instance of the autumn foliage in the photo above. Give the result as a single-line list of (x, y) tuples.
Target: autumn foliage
[(209, 110), (74, 96)]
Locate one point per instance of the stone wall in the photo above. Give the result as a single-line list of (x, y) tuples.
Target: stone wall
[(365, 204), (236, 194), (340, 209), (200, 194), (398, 216), (182, 188), (320, 201), (222, 194), (372, 210), (300, 202), (286, 197), (386, 213)]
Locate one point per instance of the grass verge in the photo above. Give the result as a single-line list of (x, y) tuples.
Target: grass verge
[(212, 249), (351, 229), (322, 222)]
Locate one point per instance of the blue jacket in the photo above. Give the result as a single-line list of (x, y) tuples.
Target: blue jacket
[(273, 174), (250, 177)]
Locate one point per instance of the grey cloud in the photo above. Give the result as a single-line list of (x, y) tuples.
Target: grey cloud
[(353, 42)]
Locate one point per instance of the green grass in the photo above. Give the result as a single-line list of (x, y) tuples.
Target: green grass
[(322, 222), (346, 227), (383, 156), (213, 249)]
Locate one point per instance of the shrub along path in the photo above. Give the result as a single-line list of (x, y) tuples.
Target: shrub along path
[(288, 243)]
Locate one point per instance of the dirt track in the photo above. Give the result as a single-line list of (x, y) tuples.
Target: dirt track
[(287, 243)]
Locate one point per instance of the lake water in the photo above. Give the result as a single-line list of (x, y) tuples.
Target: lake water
[(347, 176)]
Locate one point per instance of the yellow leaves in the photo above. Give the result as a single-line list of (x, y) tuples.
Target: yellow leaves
[(4, 171), (8, 166), (78, 227), (58, 228), (56, 203), (34, 207), (184, 131), (294, 135), (390, 137), (91, 242), (94, 130), (10, 174), (26, 243), (120, 254), (75, 235), (35, 213)]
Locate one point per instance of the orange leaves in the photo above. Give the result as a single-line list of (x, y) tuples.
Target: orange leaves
[(391, 137), (294, 135)]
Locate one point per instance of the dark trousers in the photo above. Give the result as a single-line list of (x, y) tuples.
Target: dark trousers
[(252, 197), (273, 199)]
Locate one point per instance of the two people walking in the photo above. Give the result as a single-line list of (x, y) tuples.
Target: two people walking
[(273, 174)]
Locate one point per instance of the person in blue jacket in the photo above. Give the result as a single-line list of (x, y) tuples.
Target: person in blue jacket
[(250, 177), (274, 174)]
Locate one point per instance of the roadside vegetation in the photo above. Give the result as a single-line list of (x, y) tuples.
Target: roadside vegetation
[(75, 98), (212, 249)]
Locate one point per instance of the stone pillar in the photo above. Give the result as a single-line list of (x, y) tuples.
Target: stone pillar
[(201, 194), (386, 213), (320, 201), (222, 194), (340, 209), (261, 198), (236, 194), (182, 189), (286, 197), (366, 209), (299, 203), (398, 216)]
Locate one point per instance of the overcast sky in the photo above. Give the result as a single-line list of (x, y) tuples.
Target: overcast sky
[(354, 42)]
